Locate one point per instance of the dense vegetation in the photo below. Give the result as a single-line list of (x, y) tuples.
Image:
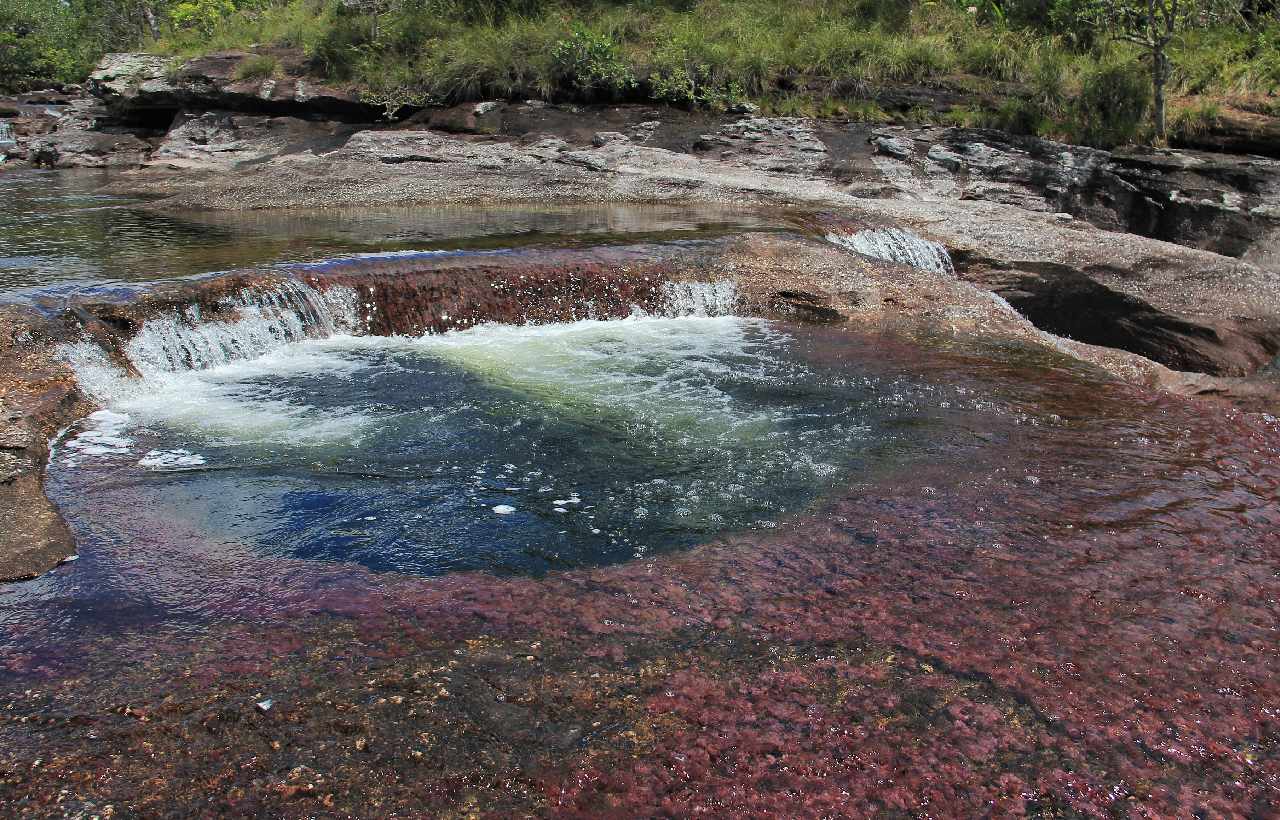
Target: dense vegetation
[(1043, 66)]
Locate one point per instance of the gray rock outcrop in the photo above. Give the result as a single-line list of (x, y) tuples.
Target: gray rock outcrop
[(142, 87)]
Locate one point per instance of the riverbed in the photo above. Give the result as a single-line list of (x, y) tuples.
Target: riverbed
[(680, 561)]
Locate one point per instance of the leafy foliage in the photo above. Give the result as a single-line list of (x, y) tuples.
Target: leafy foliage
[(1065, 68), (592, 65), (201, 15)]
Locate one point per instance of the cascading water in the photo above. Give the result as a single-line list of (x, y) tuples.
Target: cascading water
[(700, 298), (266, 319), (898, 245), (7, 142)]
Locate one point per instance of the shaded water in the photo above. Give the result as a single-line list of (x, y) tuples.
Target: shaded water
[(60, 236)]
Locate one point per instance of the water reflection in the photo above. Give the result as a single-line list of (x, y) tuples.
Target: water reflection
[(62, 236)]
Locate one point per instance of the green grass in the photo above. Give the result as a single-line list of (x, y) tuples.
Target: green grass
[(257, 67), (814, 57), (1194, 120)]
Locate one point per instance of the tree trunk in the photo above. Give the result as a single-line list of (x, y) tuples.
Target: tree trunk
[(1159, 78), (150, 17)]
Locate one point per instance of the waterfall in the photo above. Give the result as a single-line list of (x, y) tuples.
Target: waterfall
[(699, 298), (7, 141), (266, 320), (898, 245), (258, 321)]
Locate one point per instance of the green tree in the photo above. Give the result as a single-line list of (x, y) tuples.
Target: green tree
[(1153, 25), (45, 41)]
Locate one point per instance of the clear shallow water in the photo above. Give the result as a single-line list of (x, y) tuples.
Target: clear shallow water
[(59, 236), (501, 448)]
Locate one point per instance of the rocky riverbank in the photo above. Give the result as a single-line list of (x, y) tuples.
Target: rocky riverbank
[(1083, 242)]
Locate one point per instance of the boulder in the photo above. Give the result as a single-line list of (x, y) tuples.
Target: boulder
[(1218, 202), (896, 147), (147, 87), (84, 135), (223, 140), (471, 118)]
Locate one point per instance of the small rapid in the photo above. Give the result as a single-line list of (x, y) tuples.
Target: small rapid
[(7, 142), (262, 320), (898, 245), (266, 320)]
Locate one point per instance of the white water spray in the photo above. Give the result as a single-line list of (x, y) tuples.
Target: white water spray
[(898, 245), (699, 298), (7, 141), (267, 320)]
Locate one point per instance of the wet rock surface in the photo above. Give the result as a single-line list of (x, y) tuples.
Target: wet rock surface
[(38, 395)]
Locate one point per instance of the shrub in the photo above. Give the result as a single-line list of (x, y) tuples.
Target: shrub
[(256, 67), (678, 78), (591, 65), (201, 15), (1113, 103)]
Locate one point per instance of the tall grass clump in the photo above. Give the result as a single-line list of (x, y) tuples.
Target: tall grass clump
[(1112, 105)]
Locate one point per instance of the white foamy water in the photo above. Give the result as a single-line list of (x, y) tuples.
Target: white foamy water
[(103, 434), (240, 401), (898, 245), (170, 459), (653, 371), (266, 320), (653, 374), (700, 298)]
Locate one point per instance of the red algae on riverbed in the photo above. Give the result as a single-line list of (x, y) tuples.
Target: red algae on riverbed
[(1068, 608)]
